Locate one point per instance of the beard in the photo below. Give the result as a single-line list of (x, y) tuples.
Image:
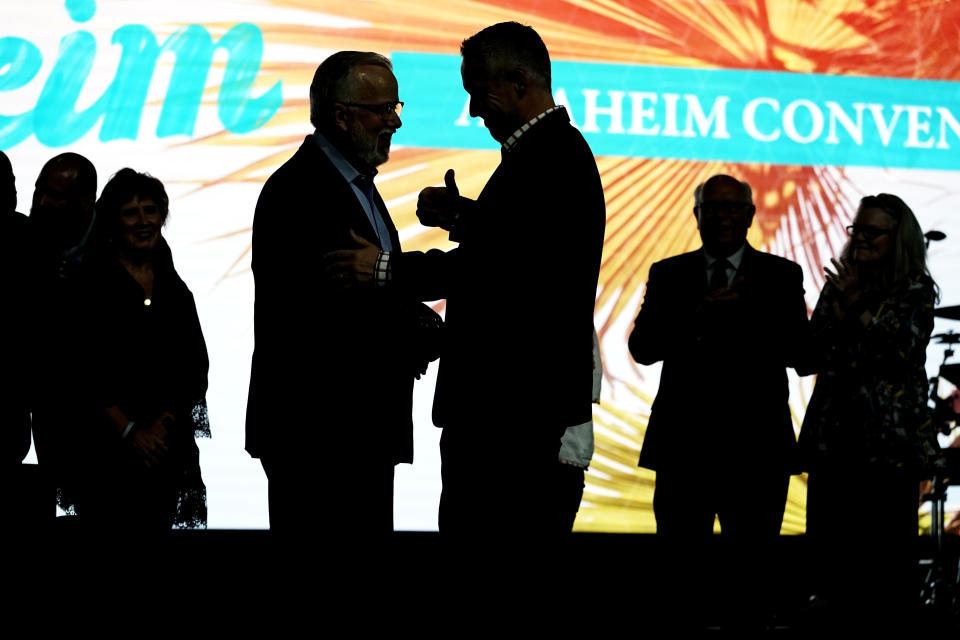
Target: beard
[(371, 147)]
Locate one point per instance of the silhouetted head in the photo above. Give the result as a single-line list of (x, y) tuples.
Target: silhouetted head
[(131, 212), (63, 199), (886, 241), (506, 71), (723, 207), (8, 185), (354, 103)]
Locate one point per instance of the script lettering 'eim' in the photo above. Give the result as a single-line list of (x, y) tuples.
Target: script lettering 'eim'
[(56, 122)]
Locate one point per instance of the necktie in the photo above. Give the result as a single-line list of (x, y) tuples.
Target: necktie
[(719, 278)]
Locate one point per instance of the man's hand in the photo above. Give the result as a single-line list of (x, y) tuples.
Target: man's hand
[(440, 206), (150, 442), (724, 295), (426, 338), (352, 267)]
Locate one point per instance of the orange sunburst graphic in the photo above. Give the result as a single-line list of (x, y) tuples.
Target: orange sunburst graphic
[(801, 209)]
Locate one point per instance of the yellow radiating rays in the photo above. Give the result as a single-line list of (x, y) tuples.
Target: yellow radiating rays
[(649, 201), (618, 495), (816, 26)]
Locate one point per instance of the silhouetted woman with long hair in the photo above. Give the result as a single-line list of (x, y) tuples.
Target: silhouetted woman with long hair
[(867, 438)]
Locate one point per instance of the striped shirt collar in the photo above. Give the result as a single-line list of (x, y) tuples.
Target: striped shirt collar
[(512, 140)]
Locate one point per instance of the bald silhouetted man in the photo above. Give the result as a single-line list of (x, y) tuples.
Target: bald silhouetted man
[(62, 212), (61, 221)]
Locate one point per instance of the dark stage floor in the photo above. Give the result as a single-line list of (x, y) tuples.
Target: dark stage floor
[(593, 580)]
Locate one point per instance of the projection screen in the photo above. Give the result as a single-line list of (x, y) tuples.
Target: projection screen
[(815, 104)]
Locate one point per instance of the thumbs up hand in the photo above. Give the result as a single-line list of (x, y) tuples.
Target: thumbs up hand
[(352, 267), (441, 206), (449, 179)]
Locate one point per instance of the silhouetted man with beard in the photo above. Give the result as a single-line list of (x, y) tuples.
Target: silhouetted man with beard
[(330, 404)]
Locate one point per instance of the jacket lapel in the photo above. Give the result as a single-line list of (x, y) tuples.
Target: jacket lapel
[(343, 199)]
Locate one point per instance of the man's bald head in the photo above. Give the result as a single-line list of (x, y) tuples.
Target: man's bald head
[(8, 185), (64, 196), (76, 169)]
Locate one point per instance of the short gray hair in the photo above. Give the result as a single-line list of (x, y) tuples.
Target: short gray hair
[(510, 44), (698, 192), (333, 82)]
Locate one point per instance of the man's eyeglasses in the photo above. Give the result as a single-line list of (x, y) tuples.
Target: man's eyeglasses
[(714, 207), (383, 110), (869, 232)]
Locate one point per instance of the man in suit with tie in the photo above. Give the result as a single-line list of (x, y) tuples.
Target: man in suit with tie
[(329, 410), (725, 320)]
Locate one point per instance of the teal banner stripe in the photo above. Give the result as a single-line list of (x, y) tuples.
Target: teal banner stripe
[(710, 114)]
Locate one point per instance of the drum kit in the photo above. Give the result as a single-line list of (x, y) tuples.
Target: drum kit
[(940, 588)]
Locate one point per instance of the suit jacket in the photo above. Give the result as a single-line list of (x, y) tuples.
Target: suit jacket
[(520, 288), (331, 368), (15, 242), (723, 387)]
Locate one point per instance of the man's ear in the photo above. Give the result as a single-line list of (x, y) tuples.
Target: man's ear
[(696, 216), (753, 210), (340, 115), (517, 78)]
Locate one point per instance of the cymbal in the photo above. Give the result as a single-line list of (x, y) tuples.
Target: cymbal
[(946, 338), (953, 313), (950, 372)]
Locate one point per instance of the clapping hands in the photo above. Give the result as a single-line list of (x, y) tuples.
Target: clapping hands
[(844, 279)]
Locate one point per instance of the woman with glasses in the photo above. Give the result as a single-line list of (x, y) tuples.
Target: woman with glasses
[(867, 438)]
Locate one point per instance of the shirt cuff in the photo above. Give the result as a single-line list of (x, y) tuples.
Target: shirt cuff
[(382, 272)]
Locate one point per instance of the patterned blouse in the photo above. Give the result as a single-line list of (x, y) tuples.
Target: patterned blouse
[(870, 400)]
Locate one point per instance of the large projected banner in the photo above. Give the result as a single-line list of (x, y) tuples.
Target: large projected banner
[(815, 104)]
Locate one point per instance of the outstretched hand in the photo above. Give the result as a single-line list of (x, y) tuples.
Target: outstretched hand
[(440, 206), (352, 267)]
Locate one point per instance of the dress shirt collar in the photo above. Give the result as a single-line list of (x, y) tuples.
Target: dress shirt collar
[(734, 258), (74, 254), (512, 140), (347, 170)]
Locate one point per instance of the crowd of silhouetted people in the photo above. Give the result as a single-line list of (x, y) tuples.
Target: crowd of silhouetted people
[(106, 353)]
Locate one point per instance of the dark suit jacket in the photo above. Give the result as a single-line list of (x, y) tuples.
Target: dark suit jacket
[(331, 375), (15, 242), (723, 388), (520, 288)]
